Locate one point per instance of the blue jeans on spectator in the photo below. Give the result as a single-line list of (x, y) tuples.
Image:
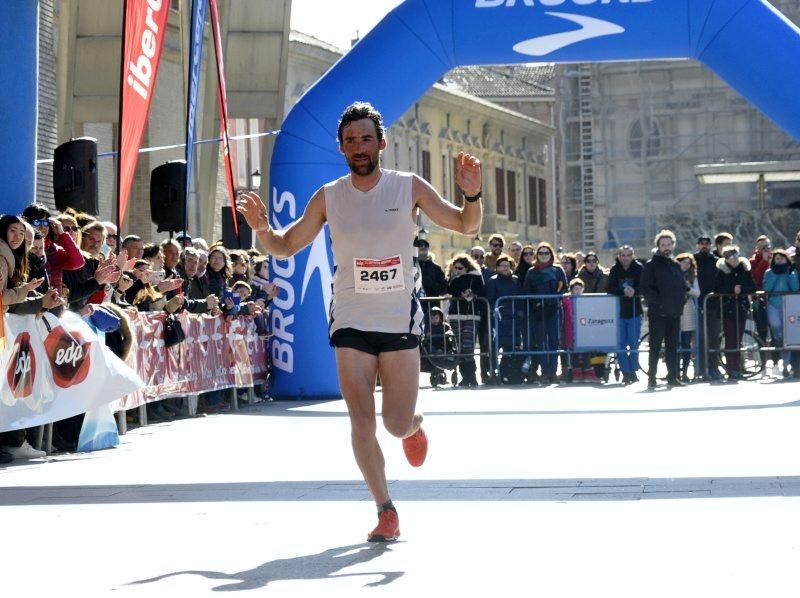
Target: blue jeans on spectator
[(544, 335), (631, 331), (775, 317)]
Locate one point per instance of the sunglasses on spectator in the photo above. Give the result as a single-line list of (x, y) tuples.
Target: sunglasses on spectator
[(68, 228), (496, 244), (528, 253), (591, 261), (43, 222), (545, 252)]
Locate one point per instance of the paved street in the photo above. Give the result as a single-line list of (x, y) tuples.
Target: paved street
[(560, 491)]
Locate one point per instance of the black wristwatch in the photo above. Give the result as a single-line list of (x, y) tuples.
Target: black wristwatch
[(472, 198)]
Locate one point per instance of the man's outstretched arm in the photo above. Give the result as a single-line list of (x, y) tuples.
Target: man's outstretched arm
[(296, 236), (466, 220)]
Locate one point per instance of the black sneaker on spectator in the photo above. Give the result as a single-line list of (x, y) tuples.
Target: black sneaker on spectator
[(5, 456), (161, 411)]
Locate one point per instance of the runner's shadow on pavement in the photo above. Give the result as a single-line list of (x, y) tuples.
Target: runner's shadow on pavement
[(322, 565)]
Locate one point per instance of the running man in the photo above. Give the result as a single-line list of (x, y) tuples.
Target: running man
[(376, 317)]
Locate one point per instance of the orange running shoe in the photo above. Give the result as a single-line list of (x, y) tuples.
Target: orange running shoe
[(388, 529), (416, 448)]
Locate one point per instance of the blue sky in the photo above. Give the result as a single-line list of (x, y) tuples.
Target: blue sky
[(336, 21)]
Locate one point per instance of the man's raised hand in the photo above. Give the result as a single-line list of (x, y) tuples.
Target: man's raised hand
[(468, 174), (254, 211)]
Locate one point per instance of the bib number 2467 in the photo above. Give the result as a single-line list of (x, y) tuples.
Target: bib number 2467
[(379, 276)]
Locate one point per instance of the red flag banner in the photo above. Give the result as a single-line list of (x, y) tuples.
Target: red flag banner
[(145, 28), (223, 110)]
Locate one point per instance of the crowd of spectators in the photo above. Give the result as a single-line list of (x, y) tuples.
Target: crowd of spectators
[(536, 336), (71, 261), (52, 261)]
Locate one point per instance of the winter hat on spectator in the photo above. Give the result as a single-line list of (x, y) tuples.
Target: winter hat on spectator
[(104, 319)]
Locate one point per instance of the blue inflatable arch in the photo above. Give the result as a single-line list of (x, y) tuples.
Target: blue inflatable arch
[(748, 43)]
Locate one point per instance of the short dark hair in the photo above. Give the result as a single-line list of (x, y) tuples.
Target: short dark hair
[(36, 211), (130, 239), (360, 111), (151, 250), (722, 237)]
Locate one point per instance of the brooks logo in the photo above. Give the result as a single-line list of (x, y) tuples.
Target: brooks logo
[(546, 44)]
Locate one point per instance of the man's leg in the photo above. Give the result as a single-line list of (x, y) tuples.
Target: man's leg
[(624, 357), (657, 329), (400, 374), (672, 332), (357, 371)]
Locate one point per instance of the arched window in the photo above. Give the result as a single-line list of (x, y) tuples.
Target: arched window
[(644, 140)]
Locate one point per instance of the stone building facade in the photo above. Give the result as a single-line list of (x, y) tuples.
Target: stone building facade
[(633, 133), (79, 88)]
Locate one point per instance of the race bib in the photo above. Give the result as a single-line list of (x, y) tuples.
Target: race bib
[(379, 276)]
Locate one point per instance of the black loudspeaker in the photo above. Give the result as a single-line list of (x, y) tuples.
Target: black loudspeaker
[(229, 239), (75, 175), (168, 196)]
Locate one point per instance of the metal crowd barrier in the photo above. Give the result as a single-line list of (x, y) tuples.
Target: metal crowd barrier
[(470, 323), (528, 330), (745, 340)]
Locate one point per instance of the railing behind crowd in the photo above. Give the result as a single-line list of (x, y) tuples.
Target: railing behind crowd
[(742, 332), (464, 333)]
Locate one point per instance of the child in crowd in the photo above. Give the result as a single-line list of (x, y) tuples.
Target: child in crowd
[(240, 262), (439, 343), (581, 368)]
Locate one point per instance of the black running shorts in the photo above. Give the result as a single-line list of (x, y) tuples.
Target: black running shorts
[(374, 343)]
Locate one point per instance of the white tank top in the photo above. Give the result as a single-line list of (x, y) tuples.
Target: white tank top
[(376, 282)]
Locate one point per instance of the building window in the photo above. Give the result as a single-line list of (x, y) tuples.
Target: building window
[(458, 197), (542, 202), (644, 140), (500, 188), (445, 190), (511, 193), (426, 166), (533, 203)]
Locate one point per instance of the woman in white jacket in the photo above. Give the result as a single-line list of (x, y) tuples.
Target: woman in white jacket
[(689, 316)]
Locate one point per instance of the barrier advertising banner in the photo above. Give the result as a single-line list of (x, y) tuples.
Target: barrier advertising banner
[(218, 353), (54, 368), (596, 323)]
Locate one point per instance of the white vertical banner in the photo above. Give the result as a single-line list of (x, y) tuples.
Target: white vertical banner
[(55, 368), (791, 321)]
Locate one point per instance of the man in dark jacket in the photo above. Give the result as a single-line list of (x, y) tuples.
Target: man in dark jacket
[(664, 290), (509, 333), (735, 282), (624, 281), (433, 281), (199, 299), (706, 279)]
